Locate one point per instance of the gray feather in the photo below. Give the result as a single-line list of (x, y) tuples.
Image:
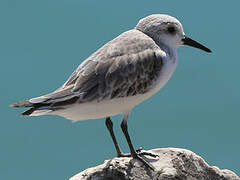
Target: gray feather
[(126, 66)]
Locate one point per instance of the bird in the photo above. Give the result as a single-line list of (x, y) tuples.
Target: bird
[(120, 75)]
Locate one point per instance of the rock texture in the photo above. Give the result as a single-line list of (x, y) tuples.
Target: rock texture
[(172, 164)]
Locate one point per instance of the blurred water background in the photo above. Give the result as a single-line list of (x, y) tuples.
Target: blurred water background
[(42, 42)]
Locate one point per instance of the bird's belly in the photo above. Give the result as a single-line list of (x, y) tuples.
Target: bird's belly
[(104, 108)]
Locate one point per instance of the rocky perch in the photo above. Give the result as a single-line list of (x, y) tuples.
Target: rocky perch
[(172, 164)]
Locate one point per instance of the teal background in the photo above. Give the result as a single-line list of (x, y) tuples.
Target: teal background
[(42, 42)]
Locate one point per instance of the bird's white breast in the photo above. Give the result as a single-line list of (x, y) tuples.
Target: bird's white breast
[(105, 108)]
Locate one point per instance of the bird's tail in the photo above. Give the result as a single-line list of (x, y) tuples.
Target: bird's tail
[(47, 103), (36, 109)]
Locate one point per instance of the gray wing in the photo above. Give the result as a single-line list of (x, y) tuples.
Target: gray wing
[(126, 66), (121, 76)]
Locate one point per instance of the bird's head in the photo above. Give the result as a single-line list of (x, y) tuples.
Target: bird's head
[(167, 30)]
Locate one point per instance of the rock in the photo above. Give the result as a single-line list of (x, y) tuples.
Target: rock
[(172, 164)]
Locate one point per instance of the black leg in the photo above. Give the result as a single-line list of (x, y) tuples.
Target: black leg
[(134, 154), (109, 125), (125, 132)]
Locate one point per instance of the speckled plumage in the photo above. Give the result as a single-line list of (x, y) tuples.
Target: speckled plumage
[(125, 66)]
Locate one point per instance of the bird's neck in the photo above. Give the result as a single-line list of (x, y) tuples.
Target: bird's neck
[(170, 51)]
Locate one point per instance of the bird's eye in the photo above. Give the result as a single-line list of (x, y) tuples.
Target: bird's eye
[(171, 29)]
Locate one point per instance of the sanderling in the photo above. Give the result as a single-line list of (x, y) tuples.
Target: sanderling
[(123, 73)]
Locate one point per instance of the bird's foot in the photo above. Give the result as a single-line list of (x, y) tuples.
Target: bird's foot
[(140, 152), (147, 164), (137, 155)]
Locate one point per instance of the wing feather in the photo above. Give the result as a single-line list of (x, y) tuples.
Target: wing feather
[(126, 66), (123, 76)]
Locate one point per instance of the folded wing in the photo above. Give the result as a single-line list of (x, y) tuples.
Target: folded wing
[(126, 66)]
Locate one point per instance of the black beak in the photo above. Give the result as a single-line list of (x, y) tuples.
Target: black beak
[(188, 41)]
